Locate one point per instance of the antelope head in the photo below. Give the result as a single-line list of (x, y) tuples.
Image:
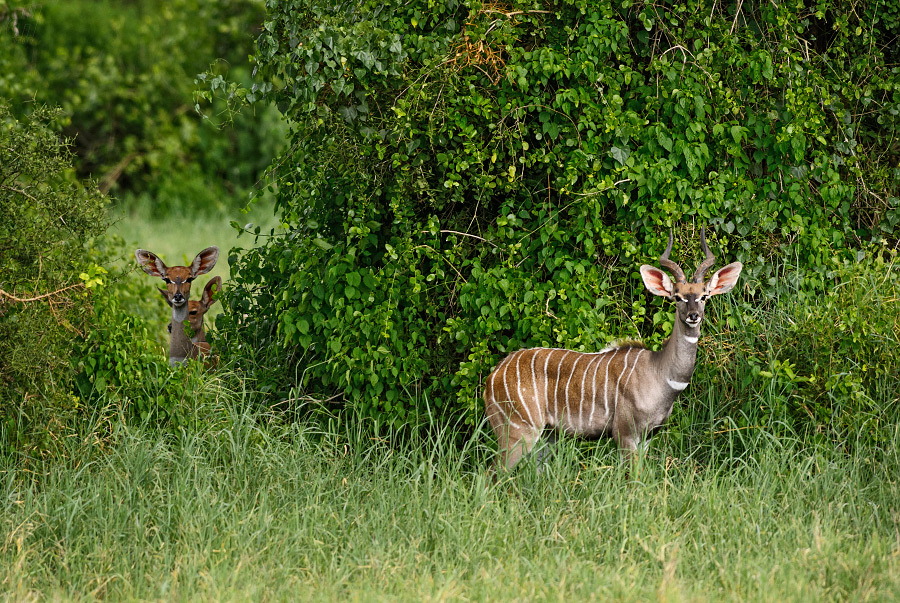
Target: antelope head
[(690, 297), (178, 279)]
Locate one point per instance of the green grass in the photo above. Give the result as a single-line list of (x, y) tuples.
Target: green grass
[(249, 508), (729, 503), (178, 238)]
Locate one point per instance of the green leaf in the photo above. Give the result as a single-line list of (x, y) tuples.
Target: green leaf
[(619, 154)]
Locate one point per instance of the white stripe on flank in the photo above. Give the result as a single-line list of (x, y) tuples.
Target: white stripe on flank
[(500, 410), (568, 409), (581, 401), (594, 392), (628, 378), (534, 392), (676, 385), (493, 384), (559, 418), (519, 392), (506, 368), (546, 386), (606, 388), (515, 408), (619, 380), (691, 339)]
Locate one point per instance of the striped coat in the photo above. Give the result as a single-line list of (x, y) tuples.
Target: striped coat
[(624, 391)]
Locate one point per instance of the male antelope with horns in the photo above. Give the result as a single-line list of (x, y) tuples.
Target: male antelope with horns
[(622, 391)]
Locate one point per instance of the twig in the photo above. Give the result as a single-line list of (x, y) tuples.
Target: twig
[(738, 429), (737, 13), (17, 190), (39, 297), (464, 234)]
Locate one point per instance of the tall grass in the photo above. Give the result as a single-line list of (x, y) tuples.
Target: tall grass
[(248, 507), (736, 500)]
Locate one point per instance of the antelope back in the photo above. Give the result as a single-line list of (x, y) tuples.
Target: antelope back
[(576, 392)]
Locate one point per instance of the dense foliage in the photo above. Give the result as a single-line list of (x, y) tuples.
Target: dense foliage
[(466, 178), (123, 75), (68, 342), (45, 276)]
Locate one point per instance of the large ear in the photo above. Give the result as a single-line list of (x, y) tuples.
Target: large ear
[(657, 281), (724, 279), (204, 261), (165, 295), (151, 264), (211, 289)]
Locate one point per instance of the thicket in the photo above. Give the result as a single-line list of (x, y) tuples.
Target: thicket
[(465, 178), (45, 274), (123, 76), (71, 346)]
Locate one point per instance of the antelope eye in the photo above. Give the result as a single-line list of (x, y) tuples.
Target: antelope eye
[(704, 297), (167, 281), (678, 298)]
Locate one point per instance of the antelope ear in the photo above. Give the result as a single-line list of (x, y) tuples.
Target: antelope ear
[(151, 264), (724, 279), (656, 281), (165, 295), (212, 288), (204, 261)]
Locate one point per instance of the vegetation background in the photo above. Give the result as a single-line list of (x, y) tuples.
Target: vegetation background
[(429, 186)]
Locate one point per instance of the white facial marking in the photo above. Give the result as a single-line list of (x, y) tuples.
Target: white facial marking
[(691, 339), (676, 385)]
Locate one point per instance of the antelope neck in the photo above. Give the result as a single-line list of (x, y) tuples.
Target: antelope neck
[(675, 361), (179, 343)]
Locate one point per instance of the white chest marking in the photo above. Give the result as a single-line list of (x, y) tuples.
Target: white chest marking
[(691, 339), (676, 385)]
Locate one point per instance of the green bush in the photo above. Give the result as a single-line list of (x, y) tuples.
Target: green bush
[(46, 275), (467, 179), (120, 360), (833, 357)]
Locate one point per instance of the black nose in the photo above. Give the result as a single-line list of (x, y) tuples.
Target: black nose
[(693, 317), (178, 297)]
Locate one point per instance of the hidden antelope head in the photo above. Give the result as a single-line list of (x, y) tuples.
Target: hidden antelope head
[(177, 294)]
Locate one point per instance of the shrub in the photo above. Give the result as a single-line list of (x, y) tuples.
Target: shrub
[(467, 179), (45, 275), (833, 357)]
